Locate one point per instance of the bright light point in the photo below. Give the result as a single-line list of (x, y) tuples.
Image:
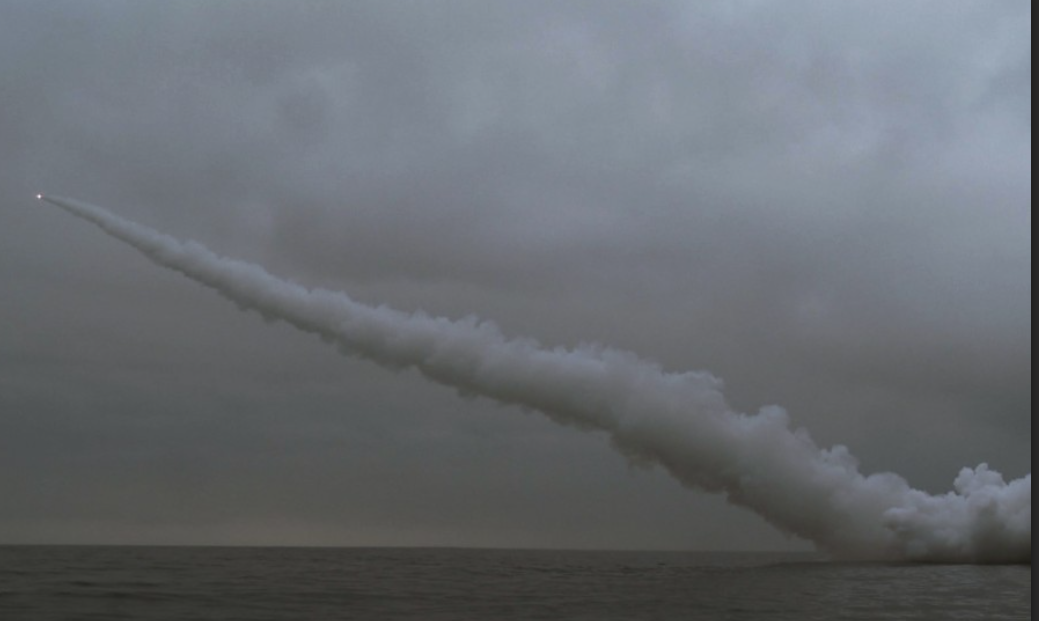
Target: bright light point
[(39, 197)]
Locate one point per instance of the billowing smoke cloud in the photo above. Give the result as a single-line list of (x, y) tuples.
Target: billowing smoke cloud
[(680, 421)]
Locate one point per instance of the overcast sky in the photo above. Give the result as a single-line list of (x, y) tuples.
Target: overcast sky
[(826, 204)]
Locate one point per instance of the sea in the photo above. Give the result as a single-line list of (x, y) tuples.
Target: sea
[(113, 583)]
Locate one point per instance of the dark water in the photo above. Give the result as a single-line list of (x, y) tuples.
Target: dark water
[(113, 583)]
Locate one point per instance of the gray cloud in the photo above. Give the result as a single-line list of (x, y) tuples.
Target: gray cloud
[(826, 205)]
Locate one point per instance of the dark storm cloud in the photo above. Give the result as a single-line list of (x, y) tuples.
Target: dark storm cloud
[(827, 205)]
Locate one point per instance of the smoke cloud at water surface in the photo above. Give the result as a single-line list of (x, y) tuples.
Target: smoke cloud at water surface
[(680, 421)]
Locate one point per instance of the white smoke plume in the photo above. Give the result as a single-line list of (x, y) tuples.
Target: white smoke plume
[(678, 420)]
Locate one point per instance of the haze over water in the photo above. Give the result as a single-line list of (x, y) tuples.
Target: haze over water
[(44, 583)]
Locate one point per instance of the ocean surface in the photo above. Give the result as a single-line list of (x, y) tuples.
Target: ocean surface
[(112, 583)]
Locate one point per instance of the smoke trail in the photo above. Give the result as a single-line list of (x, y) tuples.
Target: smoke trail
[(678, 420)]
